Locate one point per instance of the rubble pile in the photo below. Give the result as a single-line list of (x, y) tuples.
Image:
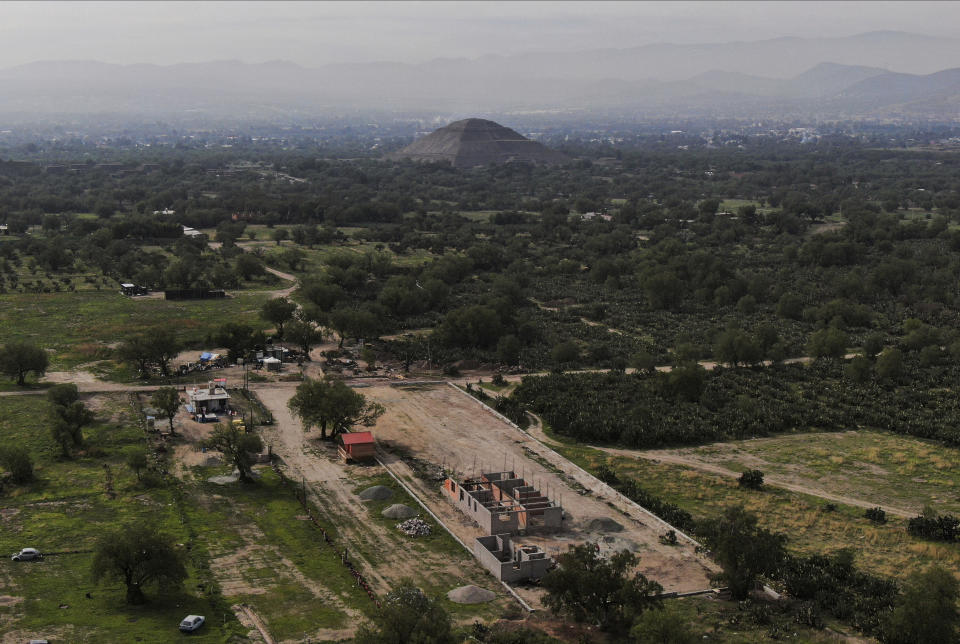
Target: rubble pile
[(414, 527)]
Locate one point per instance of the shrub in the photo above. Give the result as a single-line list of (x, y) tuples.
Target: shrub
[(877, 515), (751, 479), (17, 462)]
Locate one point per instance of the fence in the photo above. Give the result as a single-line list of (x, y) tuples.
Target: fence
[(344, 559)]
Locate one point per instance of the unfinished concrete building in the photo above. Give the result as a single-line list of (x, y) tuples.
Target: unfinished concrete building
[(503, 503), (510, 561)]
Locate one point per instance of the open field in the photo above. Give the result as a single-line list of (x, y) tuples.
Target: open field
[(75, 328), (876, 468), (812, 524), (440, 425)]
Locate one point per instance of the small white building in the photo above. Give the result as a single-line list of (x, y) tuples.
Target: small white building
[(191, 232), (209, 399)]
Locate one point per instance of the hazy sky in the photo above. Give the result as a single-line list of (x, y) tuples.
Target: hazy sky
[(314, 33)]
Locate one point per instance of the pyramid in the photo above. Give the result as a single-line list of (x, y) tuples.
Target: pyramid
[(473, 142)]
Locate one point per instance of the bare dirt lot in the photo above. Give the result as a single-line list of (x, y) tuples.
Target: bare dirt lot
[(442, 425)]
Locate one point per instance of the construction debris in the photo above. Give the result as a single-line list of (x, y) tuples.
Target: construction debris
[(414, 527)]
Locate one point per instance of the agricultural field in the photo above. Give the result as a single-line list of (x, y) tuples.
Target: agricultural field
[(78, 329)]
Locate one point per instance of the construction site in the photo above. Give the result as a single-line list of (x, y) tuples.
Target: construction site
[(450, 450)]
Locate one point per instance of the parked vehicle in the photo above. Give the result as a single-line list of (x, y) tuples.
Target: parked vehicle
[(27, 554), (191, 623)]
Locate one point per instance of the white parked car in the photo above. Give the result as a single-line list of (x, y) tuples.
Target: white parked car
[(27, 554), (191, 623)]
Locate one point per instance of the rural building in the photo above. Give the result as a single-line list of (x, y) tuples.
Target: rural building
[(191, 232), (510, 561), (212, 399), (357, 446), (503, 503), (4, 229), (194, 294), (132, 289)]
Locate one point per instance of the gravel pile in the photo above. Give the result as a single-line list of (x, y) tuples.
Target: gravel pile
[(470, 595), (399, 511), (414, 527), (605, 525), (376, 493)]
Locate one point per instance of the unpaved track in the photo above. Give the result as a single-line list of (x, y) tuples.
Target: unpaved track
[(442, 425), (669, 456), (319, 473)]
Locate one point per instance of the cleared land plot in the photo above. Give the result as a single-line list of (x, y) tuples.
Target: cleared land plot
[(441, 425), (872, 467), (385, 556)]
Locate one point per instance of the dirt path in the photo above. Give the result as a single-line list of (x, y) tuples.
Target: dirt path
[(441, 425), (672, 457), (324, 479)]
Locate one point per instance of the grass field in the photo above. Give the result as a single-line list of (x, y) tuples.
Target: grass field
[(884, 468), (75, 327), (251, 539), (810, 523)]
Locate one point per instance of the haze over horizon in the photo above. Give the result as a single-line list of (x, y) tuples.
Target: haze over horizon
[(315, 34)]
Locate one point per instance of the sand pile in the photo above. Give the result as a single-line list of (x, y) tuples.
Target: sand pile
[(399, 511), (605, 524), (470, 595), (376, 493)]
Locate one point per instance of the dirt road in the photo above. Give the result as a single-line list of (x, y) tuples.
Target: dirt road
[(444, 426)]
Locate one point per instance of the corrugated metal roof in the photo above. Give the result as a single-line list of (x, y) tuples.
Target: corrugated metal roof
[(356, 438)]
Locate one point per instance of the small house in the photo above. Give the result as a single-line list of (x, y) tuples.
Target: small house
[(210, 399), (357, 446)]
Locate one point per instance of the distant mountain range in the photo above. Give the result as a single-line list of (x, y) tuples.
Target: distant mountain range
[(878, 74)]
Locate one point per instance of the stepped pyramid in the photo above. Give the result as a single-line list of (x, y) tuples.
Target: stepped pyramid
[(473, 142)]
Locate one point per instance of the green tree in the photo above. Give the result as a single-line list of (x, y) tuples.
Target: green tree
[(889, 364), (873, 344), (743, 549), (687, 381), (63, 395), (135, 349), (471, 326), (790, 306), (662, 626), (858, 369), (167, 400), (598, 590), (643, 361), (17, 359), (828, 343), (565, 353), (163, 347), (735, 346), (304, 335), (67, 423), (331, 403), (249, 266), (140, 556), (278, 312), (927, 610), (17, 462), (238, 446), (279, 234), (508, 350), (237, 338), (407, 616), (137, 461)]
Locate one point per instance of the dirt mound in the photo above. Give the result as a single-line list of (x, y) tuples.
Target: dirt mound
[(399, 511), (470, 595), (376, 493), (605, 524)]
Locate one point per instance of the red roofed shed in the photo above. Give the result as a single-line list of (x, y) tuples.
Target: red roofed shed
[(356, 446)]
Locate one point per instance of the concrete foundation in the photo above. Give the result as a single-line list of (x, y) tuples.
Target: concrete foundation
[(503, 503), (510, 561)]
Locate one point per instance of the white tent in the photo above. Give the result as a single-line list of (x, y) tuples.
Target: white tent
[(272, 364)]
